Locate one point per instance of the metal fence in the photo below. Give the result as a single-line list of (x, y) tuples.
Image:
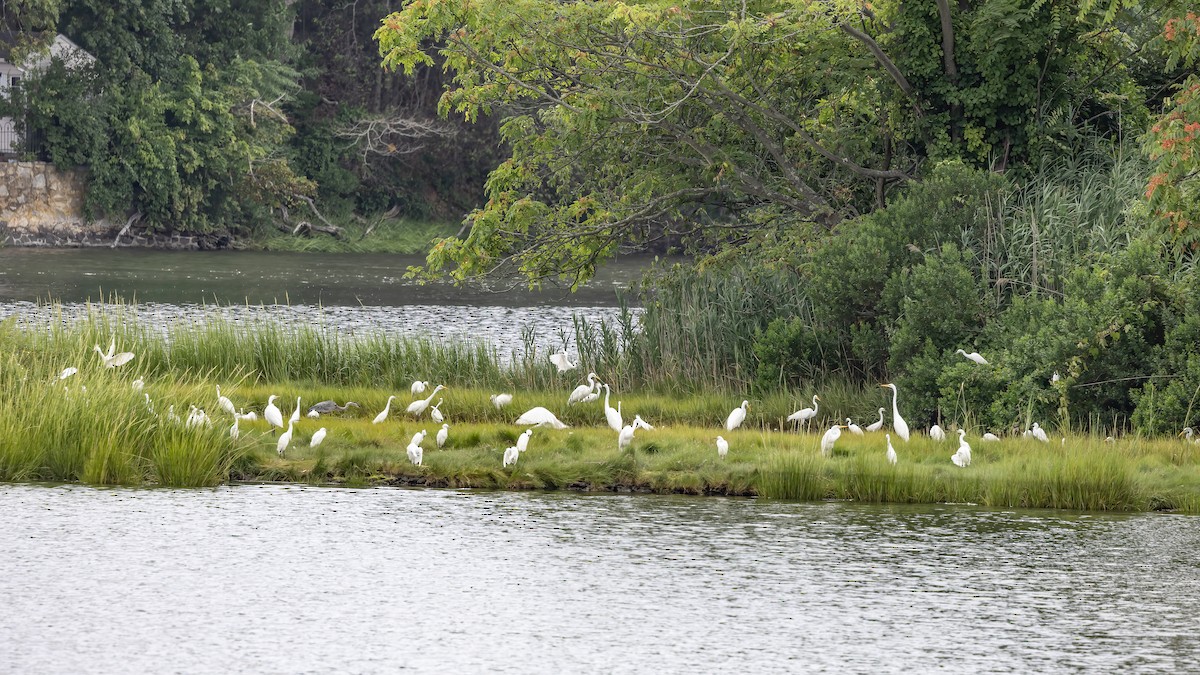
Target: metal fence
[(12, 144)]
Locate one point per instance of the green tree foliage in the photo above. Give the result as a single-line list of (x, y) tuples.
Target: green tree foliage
[(633, 122), (1173, 142)]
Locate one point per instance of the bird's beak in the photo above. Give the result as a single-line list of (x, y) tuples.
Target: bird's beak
[(1179, 434), (883, 386), (817, 397)]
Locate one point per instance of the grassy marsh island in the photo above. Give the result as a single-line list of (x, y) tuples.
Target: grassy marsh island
[(97, 426)]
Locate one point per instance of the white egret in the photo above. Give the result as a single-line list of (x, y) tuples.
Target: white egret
[(1039, 433), (313, 414), (138, 384), (511, 455), (830, 437), (67, 372), (435, 414), (418, 387), (806, 415), (898, 422), (272, 414), (963, 456), (295, 413), (234, 432), (443, 434), (1055, 377), (594, 396), (416, 454), (639, 422), (722, 447), (582, 391), (501, 400), (891, 452), (111, 359), (973, 356), (854, 428), (612, 415), (284, 439), (936, 433), (737, 416), (876, 426), (540, 417), (224, 403), (417, 407), (625, 436), (562, 361), (384, 413), (523, 440), (250, 416), (989, 436), (1187, 434), (418, 438), (317, 438)]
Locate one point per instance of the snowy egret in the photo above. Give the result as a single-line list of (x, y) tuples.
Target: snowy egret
[(418, 387), (511, 455), (523, 440), (854, 428), (963, 456), (830, 437), (562, 361), (876, 426), (224, 403), (272, 414), (435, 414), (722, 447), (891, 452), (1039, 433), (582, 391), (501, 400), (443, 434), (317, 438), (284, 439), (936, 433)]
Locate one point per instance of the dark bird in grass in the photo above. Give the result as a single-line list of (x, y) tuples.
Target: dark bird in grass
[(326, 407)]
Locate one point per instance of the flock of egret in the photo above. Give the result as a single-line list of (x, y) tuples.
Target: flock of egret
[(540, 416)]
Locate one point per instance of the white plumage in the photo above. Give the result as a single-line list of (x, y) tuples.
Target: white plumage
[(443, 434), (317, 438), (737, 416), (891, 452), (963, 456), (806, 415), (1039, 433), (272, 414), (523, 440), (830, 437), (722, 447), (284, 439), (540, 417), (383, 414), (876, 426), (583, 391), (511, 455), (562, 361), (936, 433), (501, 400), (612, 415), (973, 356), (854, 428), (417, 407)]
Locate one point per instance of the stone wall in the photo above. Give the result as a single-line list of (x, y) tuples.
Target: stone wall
[(43, 206)]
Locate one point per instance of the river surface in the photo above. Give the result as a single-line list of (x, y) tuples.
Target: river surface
[(274, 579), (350, 293)]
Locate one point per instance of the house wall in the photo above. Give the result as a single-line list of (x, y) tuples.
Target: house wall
[(8, 130)]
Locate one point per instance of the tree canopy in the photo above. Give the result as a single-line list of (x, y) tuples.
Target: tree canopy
[(707, 120)]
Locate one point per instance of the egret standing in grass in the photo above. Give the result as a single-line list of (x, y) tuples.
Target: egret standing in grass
[(272, 414), (737, 416), (435, 414), (501, 400), (317, 438), (418, 438), (854, 428), (722, 447), (416, 454), (67, 372), (891, 452), (418, 387), (384, 413), (963, 456), (898, 422), (443, 434), (224, 403), (806, 415), (830, 437), (295, 413), (1039, 433), (313, 414), (582, 391), (234, 432), (523, 440), (511, 455), (990, 437), (973, 356), (284, 440), (876, 426), (417, 407), (936, 433), (612, 415), (625, 437)]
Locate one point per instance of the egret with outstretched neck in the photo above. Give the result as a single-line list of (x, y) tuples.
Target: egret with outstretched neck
[(898, 422)]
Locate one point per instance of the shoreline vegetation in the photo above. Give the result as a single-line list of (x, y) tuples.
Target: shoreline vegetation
[(95, 426)]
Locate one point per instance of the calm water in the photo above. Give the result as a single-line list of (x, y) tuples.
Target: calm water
[(351, 293), (271, 579)]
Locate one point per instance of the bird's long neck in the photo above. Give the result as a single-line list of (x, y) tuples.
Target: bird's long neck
[(895, 396), (815, 406), (607, 392)]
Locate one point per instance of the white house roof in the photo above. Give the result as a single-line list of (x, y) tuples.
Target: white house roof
[(61, 47)]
